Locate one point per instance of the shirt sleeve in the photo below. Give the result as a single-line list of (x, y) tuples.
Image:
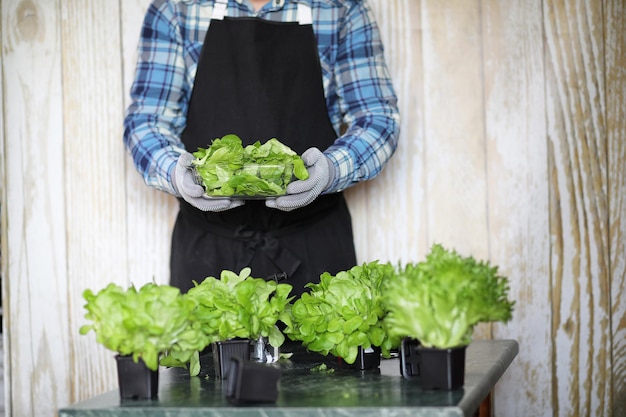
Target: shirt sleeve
[(367, 100), (159, 94)]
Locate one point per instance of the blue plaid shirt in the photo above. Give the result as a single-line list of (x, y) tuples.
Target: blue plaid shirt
[(360, 97)]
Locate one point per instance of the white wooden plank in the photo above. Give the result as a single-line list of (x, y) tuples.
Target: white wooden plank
[(454, 130), (579, 208), (6, 340), (518, 196), (150, 213), (454, 126), (388, 212), (97, 251), (39, 354), (615, 65), (395, 216)]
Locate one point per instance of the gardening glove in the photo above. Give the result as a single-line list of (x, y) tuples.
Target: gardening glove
[(187, 187), (303, 192)]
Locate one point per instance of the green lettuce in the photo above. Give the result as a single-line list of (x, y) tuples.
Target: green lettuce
[(440, 300), (148, 323), (241, 306), (344, 312), (227, 168)]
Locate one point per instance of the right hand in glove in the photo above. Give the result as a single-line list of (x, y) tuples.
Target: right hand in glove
[(192, 192), (303, 192)]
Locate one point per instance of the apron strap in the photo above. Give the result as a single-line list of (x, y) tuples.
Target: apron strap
[(219, 9), (304, 16)]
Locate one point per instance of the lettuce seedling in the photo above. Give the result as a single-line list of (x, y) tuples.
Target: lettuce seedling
[(440, 300), (148, 323), (344, 312), (240, 306)]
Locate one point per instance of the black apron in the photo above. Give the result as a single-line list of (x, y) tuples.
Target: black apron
[(260, 80)]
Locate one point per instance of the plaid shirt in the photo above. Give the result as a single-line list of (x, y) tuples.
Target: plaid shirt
[(360, 97)]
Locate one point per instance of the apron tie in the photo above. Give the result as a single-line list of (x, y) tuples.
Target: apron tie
[(256, 240)]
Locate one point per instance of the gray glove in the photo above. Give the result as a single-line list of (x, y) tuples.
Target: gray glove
[(192, 192), (301, 193)]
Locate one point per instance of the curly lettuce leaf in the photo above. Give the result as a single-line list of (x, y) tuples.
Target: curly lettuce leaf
[(148, 323), (241, 306), (344, 312), (440, 300)]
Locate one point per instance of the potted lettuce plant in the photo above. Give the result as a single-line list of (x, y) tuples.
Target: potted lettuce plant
[(434, 306), (237, 309), (343, 315), (143, 326)]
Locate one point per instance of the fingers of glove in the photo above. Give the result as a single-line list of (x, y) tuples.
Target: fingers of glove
[(301, 186), (290, 202), (188, 186), (184, 181), (214, 204), (311, 156), (314, 184), (303, 192), (271, 203), (319, 175), (293, 201), (185, 159), (192, 192)]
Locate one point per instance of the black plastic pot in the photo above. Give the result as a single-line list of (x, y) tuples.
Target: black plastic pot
[(251, 382), (135, 380), (433, 368), (225, 350)]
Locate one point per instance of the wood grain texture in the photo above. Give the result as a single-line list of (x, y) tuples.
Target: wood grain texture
[(394, 199), (454, 129), (615, 65), (97, 250), (517, 201), (150, 214), (35, 308), (512, 149), (4, 287), (579, 208), (454, 125)]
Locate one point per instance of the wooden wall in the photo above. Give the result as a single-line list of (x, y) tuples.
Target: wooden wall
[(512, 149)]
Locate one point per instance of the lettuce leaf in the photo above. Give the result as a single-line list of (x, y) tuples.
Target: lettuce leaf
[(440, 300), (150, 323), (227, 168), (241, 306), (343, 312)]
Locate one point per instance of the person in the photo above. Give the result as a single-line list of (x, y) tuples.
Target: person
[(310, 73)]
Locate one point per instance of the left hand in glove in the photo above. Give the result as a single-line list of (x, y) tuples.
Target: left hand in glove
[(303, 192), (187, 188)]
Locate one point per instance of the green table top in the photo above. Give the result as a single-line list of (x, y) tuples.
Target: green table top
[(344, 392)]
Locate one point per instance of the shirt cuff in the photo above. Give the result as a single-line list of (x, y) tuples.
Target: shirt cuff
[(343, 165)]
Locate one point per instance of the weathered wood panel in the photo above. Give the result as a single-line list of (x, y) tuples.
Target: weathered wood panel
[(434, 55), (6, 391), (615, 65), (35, 308), (97, 251), (394, 200), (517, 201), (524, 99), (150, 214), (579, 265), (454, 125)]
